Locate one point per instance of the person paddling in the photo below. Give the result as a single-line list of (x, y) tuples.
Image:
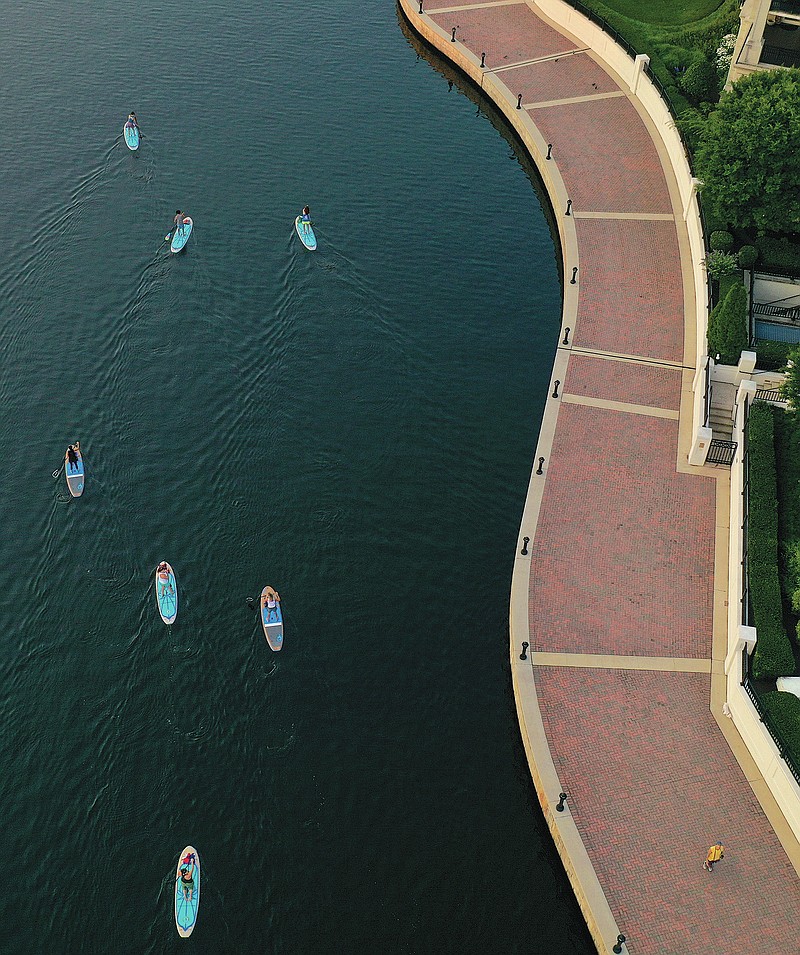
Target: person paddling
[(72, 455), (133, 123), (177, 224), (187, 879), (305, 218), (270, 602), (163, 577)]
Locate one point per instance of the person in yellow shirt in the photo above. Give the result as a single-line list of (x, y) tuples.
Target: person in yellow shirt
[(715, 853)]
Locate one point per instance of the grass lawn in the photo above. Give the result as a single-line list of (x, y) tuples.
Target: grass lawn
[(665, 12), (673, 33)]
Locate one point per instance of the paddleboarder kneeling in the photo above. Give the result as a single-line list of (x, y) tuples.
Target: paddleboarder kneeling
[(270, 601), (163, 577), (187, 879)]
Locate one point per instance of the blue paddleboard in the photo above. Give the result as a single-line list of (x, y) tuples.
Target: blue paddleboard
[(179, 239), (272, 622), (75, 475), (306, 234), (131, 136), (185, 908), (167, 596)]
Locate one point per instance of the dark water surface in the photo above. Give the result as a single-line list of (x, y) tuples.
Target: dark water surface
[(354, 427)]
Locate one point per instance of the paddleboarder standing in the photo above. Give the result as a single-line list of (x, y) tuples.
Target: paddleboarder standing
[(177, 223), (305, 218), (72, 455)]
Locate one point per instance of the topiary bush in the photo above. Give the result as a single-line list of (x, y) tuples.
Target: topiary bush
[(747, 256), (773, 655), (727, 326), (700, 82), (721, 241)]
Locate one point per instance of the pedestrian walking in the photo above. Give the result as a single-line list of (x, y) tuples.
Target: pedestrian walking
[(715, 853)]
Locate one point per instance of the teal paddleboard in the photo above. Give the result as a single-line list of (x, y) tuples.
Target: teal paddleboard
[(187, 895), (181, 237), (131, 136), (306, 233), (167, 594)]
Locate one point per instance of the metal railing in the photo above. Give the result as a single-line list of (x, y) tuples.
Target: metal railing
[(779, 56), (746, 614), (707, 395)]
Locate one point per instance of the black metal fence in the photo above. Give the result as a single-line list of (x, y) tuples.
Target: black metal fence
[(746, 611)]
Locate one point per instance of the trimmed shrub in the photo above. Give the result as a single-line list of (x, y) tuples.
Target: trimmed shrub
[(700, 82), (727, 326), (719, 264), (787, 460), (773, 655), (779, 254), (772, 356), (783, 713), (747, 256), (721, 241)]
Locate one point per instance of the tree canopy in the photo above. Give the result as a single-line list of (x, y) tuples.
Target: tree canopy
[(749, 153)]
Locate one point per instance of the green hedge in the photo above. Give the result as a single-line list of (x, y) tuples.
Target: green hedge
[(772, 356), (779, 255), (773, 654), (783, 713), (787, 459), (728, 333)]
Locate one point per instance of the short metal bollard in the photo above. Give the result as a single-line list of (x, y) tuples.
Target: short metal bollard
[(523, 655), (539, 469), (562, 798), (618, 947), (555, 388), (524, 550), (573, 280), (549, 150), (519, 100), (569, 206), (483, 61), (453, 37), (566, 336)]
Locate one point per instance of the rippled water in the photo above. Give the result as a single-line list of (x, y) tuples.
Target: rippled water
[(354, 427)]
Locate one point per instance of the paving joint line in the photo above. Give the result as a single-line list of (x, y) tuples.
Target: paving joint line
[(610, 661), (539, 59), (617, 356), (568, 101)]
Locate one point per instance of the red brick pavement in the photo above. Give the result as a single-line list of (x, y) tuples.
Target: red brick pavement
[(630, 298), (505, 34), (622, 560), (605, 156), (640, 384), (563, 78), (651, 784)]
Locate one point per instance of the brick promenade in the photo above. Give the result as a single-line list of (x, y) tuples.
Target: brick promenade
[(622, 556)]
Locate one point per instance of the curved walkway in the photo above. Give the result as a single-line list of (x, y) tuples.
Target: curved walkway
[(617, 593)]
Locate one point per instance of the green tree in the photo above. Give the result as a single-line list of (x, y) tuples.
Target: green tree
[(727, 326), (749, 153)]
